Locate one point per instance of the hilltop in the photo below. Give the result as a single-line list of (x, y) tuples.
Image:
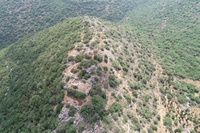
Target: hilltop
[(89, 75)]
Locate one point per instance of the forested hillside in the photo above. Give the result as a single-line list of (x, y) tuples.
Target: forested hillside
[(171, 28), (21, 17), (31, 72), (99, 66)]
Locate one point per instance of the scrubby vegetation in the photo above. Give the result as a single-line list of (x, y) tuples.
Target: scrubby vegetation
[(170, 28), (18, 18), (88, 74), (76, 94), (33, 86), (94, 110), (116, 108)]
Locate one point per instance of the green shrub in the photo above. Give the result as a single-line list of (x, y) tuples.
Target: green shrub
[(150, 130), (68, 78), (106, 59), (94, 43), (74, 71), (146, 112), (135, 119), (94, 110), (127, 97), (153, 127), (197, 99), (115, 116), (182, 99), (72, 111), (106, 84), (129, 114), (161, 80), (81, 127), (135, 93), (116, 66), (76, 94), (98, 58), (99, 71), (67, 106), (113, 82), (70, 58), (96, 90), (87, 37), (167, 121), (105, 68), (131, 85), (107, 120), (79, 58), (67, 127), (125, 68), (87, 56), (59, 108), (116, 108), (83, 74), (178, 130), (156, 122), (147, 97), (87, 63), (137, 127)]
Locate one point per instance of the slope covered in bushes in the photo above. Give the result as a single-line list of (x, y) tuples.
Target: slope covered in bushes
[(31, 73), (22, 17), (170, 28)]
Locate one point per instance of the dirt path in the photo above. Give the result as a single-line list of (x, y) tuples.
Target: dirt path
[(164, 23), (160, 107)]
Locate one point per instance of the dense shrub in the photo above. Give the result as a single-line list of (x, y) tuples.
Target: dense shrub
[(87, 63), (134, 119), (125, 68), (113, 82), (95, 90), (182, 99), (83, 74), (70, 58), (178, 130), (87, 56), (147, 97), (146, 112), (153, 127), (106, 59), (76, 94), (59, 108), (116, 108), (72, 111), (167, 121), (98, 57), (67, 127), (79, 58), (106, 85), (135, 93), (99, 71), (127, 96), (94, 110), (116, 66)]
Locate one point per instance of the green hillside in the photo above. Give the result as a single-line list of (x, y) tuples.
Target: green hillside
[(20, 17), (171, 29), (36, 70), (31, 72), (84, 73), (99, 66)]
